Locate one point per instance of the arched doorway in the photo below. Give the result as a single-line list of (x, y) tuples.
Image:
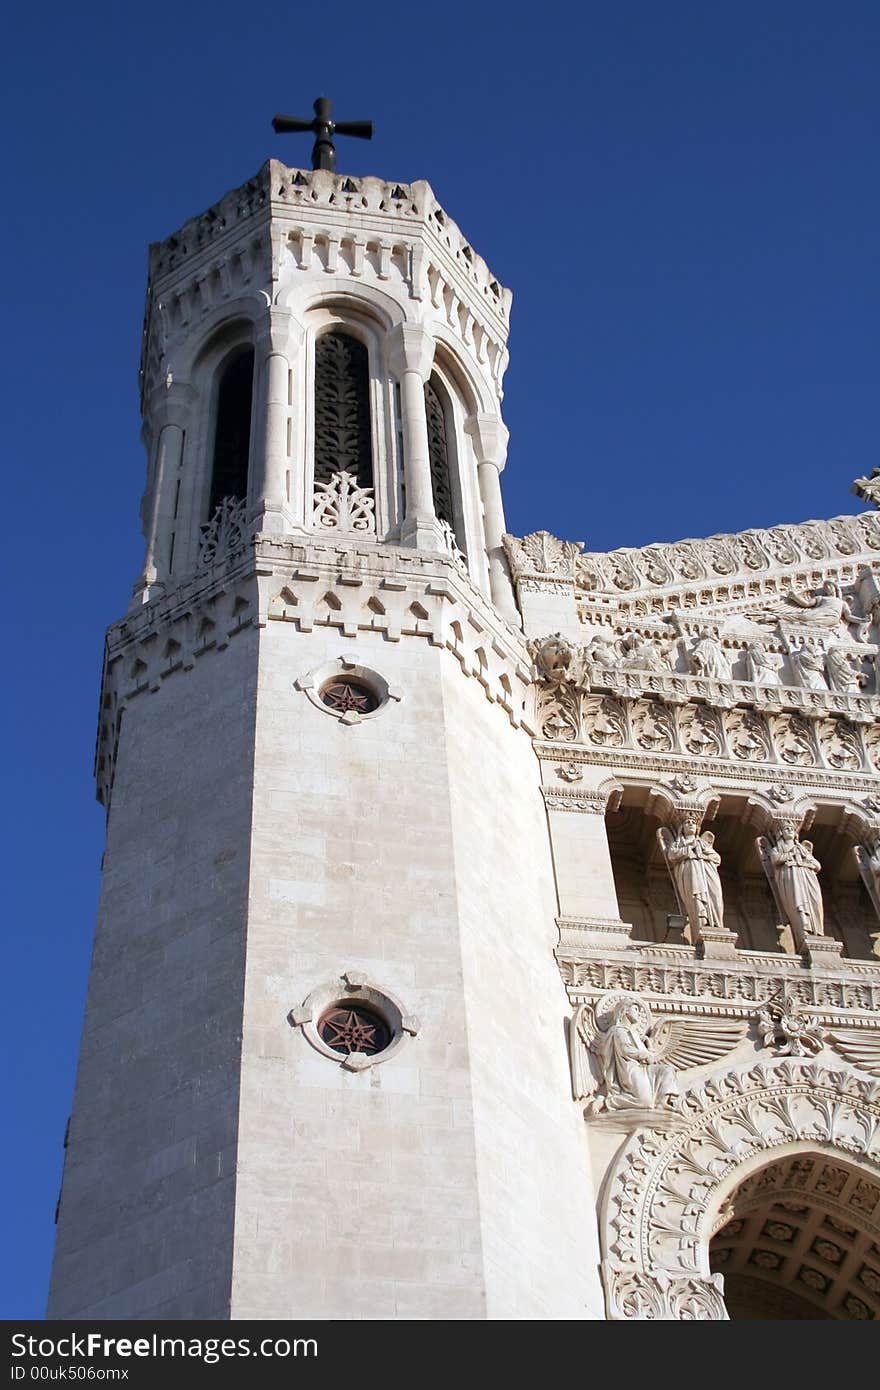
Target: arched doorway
[(800, 1239), (685, 1188)]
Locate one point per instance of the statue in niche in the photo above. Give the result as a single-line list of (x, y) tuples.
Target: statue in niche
[(638, 653), (707, 657), (693, 863), (827, 609), (793, 872), (762, 666), (844, 668), (621, 1061), (809, 667), (867, 856)]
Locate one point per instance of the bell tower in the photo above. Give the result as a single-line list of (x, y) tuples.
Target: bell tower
[(323, 1071)]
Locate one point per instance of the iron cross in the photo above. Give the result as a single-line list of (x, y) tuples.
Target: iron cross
[(324, 127)]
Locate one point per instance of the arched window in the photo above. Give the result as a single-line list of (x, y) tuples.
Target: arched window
[(438, 453), (343, 435), (232, 432)]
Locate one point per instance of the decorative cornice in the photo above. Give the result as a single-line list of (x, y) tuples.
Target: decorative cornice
[(355, 587), (624, 762), (672, 979), (676, 688), (730, 559), (591, 803)]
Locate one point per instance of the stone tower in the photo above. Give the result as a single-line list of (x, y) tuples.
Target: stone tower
[(323, 1068)]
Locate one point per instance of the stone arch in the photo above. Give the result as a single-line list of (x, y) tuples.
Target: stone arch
[(235, 319), (668, 1183), (798, 1238), (341, 295), (196, 372), (476, 385)]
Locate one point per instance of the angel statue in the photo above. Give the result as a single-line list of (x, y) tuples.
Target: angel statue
[(793, 872), (620, 1061), (693, 863)]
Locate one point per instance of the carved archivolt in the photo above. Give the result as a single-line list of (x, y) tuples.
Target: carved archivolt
[(667, 1184)]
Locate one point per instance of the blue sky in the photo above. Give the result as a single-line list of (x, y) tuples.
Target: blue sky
[(683, 199)]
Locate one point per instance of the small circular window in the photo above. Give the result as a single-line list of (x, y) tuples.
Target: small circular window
[(349, 696), (351, 1028)]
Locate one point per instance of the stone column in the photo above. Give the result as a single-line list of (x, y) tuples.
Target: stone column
[(277, 346), (489, 435), (410, 352), (167, 415)]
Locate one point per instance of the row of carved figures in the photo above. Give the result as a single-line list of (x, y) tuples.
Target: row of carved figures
[(811, 667), (811, 647), (791, 867)]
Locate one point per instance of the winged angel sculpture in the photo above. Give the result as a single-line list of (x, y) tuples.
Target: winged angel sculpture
[(621, 1061)]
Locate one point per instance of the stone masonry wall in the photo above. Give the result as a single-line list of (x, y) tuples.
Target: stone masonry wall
[(357, 1194), (145, 1227), (537, 1208)]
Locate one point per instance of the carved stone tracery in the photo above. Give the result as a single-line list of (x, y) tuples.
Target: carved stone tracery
[(225, 534), (343, 435), (341, 505)]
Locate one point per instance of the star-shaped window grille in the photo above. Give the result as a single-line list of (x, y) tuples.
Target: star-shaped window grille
[(349, 696), (350, 1029)]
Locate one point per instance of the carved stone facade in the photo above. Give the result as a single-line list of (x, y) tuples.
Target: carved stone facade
[(400, 802), (720, 700)]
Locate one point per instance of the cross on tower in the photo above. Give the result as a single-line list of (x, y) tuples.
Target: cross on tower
[(324, 127)]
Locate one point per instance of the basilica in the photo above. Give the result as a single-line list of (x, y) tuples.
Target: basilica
[(489, 928)]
